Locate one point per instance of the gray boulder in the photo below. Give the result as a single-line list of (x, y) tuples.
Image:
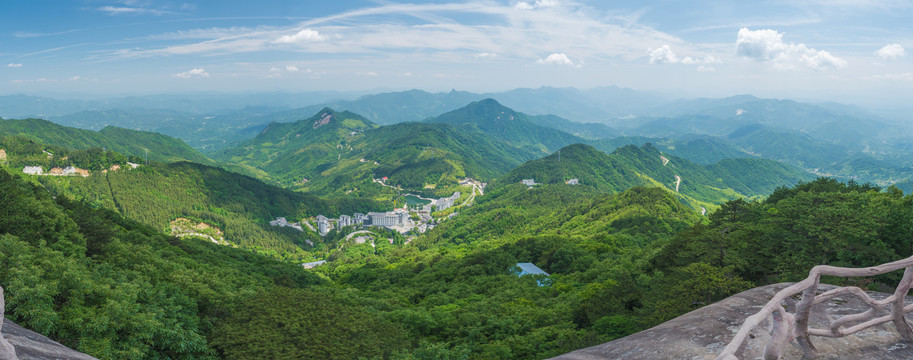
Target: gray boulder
[(18, 343), (703, 333)]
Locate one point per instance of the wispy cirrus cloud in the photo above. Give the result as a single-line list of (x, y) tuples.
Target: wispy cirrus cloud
[(124, 10), (511, 33)]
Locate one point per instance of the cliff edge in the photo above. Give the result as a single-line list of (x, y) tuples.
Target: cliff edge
[(703, 333)]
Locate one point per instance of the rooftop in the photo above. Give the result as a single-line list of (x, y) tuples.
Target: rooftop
[(530, 269)]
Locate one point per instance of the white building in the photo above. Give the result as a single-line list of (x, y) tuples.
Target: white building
[(281, 221), (360, 218), (323, 224), (33, 170), (345, 220), (528, 182), (383, 219), (573, 181)]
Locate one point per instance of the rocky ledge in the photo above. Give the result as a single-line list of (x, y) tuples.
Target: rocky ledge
[(703, 333), (33, 346)]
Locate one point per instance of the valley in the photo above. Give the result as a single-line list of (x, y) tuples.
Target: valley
[(455, 180), (415, 227)]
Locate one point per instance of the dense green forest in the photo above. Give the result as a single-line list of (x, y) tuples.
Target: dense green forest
[(88, 262), (619, 262), (142, 144), (489, 117), (628, 166), (241, 206), (20, 152), (338, 154), (116, 289)]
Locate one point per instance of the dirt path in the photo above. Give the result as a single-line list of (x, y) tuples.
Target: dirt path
[(663, 158), (678, 181)]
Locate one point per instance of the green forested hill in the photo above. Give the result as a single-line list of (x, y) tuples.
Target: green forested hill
[(703, 150), (339, 154), (416, 156), (238, 205), (116, 289), (632, 166), (128, 142), (293, 151), (789, 147), (490, 117), (619, 263), (583, 130)]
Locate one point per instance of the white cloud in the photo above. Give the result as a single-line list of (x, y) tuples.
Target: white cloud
[(118, 10), (77, 77), (198, 72), (709, 59), (891, 52), (368, 73), (306, 35), (523, 5), (901, 77), (556, 59), (663, 55), (434, 29), (407, 74), (12, 65), (768, 45), (291, 68)]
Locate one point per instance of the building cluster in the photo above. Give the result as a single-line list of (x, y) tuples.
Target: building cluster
[(283, 222), (442, 203), (67, 171), (532, 182), (391, 219)]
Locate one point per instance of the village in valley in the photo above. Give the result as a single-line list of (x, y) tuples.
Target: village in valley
[(421, 215)]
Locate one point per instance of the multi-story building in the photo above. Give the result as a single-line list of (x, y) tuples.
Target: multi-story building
[(345, 220), (383, 219), (323, 224), (360, 218)]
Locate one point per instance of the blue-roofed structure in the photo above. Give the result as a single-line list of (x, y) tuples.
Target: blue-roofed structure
[(530, 269)]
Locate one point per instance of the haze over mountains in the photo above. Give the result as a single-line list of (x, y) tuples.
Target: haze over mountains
[(827, 139)]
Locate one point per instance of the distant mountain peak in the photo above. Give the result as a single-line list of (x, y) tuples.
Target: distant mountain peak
[(323, 119)]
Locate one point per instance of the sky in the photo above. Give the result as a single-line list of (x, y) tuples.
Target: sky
[(841, 50)]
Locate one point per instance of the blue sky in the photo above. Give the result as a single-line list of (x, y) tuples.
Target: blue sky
[(816, 49)]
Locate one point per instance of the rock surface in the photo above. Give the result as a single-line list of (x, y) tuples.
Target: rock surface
[(33, 346), (703, 333)]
